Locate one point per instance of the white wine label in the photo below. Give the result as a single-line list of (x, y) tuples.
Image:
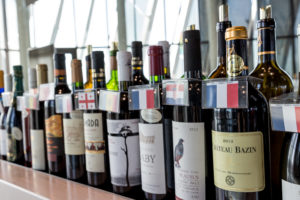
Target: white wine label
[(94, 142), (152, 158), (151, 115), (3, 138), (124, 156), (238, 161), (17, 133), (38, 149), (290, 191), (189, 160), (73, 136)]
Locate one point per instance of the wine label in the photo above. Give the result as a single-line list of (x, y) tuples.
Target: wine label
[(54, 136), (74, 134), (3, 138), (238, 161), (152, 158), (38, 149), (189, 157), (94, 142), (124, 156), (151, 115), (17, 133), (290, 191)]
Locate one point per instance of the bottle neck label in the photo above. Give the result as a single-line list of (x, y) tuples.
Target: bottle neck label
[(236, 61), (266, 44)]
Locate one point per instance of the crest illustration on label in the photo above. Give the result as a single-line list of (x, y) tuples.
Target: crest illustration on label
[(151, 115), (17, 133), (235, 65)]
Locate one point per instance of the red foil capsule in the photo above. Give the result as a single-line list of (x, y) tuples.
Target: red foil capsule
[(155, 54)]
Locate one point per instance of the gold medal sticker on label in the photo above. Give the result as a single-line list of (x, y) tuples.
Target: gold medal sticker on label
[(235, 65), (238, 160)]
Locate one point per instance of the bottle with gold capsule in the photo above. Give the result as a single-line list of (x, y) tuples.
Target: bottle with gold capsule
[(89, 82), (275, 82), (241, 135), (113, 82), (222, 25)]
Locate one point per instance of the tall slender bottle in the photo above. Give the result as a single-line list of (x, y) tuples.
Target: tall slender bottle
[(241, 136), (89, 82), (14, 121), (191, 174), (32, 83), (137, 74), (166, 58), (2, 112), (152, 152), (37, 125), (222, 25), (113, 82), (275, 82), (74, 132), (3, 132), (123, 139), (53, 121), (94, 131)]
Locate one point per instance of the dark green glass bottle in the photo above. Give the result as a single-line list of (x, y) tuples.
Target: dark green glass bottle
[(15, 151)]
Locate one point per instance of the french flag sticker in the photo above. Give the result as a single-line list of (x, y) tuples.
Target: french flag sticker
[(285, 118), (222, 95), (143, 99)]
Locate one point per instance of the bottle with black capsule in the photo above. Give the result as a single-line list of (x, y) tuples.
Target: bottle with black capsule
[(137, 74)]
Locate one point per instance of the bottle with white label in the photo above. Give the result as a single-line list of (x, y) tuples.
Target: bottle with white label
[(153, 168), (96, 148), (241, 136), (290, 167), (37, 123), (74, 132), (3, 133), (123, 138), (193, 177)]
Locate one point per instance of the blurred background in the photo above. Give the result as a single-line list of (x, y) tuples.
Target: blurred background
[(31, 30)]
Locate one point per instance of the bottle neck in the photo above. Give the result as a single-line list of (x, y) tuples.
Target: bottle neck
[(137, 66), (221, 28), (90, 75), (18, 86), (237, 63), (99, 79), (77, 86), (156, 79), (124, 85), (60, 76), (266, 45)]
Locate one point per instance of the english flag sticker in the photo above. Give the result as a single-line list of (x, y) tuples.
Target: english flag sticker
[(86, 100)]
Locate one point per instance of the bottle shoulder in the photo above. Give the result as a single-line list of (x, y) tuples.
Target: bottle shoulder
[(219, 72)]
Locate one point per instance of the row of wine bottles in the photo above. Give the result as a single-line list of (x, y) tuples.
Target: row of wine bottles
[(179, 151)]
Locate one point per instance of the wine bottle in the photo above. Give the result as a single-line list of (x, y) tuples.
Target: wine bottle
[(241, 136), (37, 125), (190, 163), (89, 82), (153, 166), (73, 132), (166, 58), (222, 25), (15, 152), (113, 82), (94, 131), (123, 139), (137, 74), (3, 132), (53, 121), (275, 82)]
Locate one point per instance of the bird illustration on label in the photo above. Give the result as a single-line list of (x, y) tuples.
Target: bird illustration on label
[(178, 152), (125, 132)]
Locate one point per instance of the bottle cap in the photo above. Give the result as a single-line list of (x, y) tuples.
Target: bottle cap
[(236, 33), (42, 73), (76, 71), (97, 60), (32, 78), (137, 49), (223, 13), (8, 82), (124, 60), (59, 61), (192, 49), (265, 13), (155, 54)]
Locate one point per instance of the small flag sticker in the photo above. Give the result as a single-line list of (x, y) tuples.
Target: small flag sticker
[(144, 97), (63, 103), (20, 103), (86, 100), (46, 92), (7, 98), (176, 92), (109, 101), (31, 101), (285, 117)]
